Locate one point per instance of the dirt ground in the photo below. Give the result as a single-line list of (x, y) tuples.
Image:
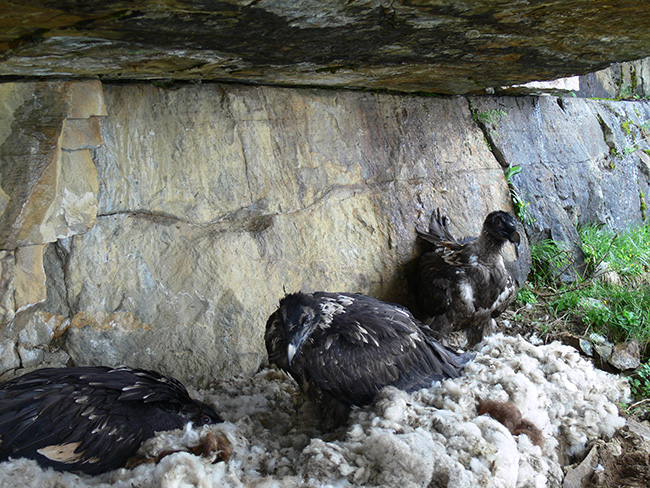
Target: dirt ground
[(620, 462)]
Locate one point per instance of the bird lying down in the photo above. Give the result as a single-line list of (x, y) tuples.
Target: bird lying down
[(343, 348), (91, 419)]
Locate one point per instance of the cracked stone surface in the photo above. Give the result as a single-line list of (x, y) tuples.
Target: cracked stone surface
[(213, 200), (442, 46), (47, 175), (224, 197), (583, 161)]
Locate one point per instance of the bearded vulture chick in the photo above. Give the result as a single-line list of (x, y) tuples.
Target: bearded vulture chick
[(91, 419), (464, 285), (343, 348)]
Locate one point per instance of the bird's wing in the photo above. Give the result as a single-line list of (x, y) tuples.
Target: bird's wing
[(371, 345), (435, 281), (82, 418), (71, 427), (144, 385), (276, 343)]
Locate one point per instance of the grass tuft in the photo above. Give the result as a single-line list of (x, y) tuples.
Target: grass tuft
[(611, 299)]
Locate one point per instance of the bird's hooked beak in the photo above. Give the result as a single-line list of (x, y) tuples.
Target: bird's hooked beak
[(296, 343), (291, 352), (514, 237)]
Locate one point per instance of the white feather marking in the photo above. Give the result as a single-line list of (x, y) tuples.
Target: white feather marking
[(466, 292), (503, 296), (88, 411), (345, 300), (62, 453), (291, 352), (401, 311), (473, 260), (329, 309)]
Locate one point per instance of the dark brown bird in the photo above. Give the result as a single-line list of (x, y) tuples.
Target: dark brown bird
[(463, 285), (91, 419), (343, 348)]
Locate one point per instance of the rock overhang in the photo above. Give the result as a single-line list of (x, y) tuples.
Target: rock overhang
[(439, 46)]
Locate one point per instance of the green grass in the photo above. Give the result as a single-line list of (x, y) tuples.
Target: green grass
[(549, 260), (626, 253), (640, 381), (491, 116), (617, 311), (618, 307)]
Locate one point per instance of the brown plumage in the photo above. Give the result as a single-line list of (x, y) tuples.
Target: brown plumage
[(343, 348), (463, 285), (510, 416)]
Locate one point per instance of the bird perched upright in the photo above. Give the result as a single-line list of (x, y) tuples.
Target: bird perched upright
[(343, 348), (464, 285), (91, 419)]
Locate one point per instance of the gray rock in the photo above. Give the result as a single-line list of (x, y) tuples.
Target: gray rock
[(441, 47), (626, 356), (581, 160)]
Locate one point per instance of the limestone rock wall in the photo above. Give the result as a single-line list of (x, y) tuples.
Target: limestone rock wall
[(48, 184), (214, 200), (206, 202)]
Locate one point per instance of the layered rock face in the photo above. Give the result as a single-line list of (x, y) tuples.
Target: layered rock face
[(48, 181), (205, 203), (583, 161), (226, 197), (443, 46)]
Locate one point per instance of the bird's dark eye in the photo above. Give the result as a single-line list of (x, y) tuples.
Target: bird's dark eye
[(206, 419)]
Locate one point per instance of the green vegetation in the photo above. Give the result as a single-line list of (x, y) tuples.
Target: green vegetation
[(521, 206), (611, 298), (492, 116), (626, 127), (640, 384)]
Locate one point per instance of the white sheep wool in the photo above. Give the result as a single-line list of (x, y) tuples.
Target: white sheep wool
[(431, 438)]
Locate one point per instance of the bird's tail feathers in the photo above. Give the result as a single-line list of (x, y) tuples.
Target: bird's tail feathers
[(439, 226), (438, 229)]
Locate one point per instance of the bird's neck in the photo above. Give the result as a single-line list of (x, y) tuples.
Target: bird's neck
[(488, 246)]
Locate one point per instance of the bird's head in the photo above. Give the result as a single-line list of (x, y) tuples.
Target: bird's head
[(299, 318), (502, 226), (199, 413)]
